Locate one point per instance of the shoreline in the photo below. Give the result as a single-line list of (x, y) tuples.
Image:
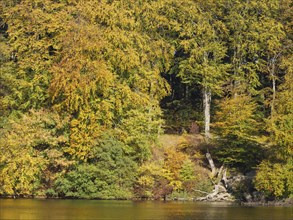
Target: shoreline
[(276, 203), (288, 202)]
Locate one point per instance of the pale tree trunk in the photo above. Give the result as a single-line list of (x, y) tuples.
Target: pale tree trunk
[(272, 71), (212, 165), (207, 97)]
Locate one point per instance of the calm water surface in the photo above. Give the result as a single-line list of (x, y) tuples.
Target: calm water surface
[(92, 209)]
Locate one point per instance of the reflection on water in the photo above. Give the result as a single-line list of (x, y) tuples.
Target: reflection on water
[(92, 209)]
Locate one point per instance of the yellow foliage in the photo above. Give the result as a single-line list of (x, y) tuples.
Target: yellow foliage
[(236, 117), (176, 184), (174, 161), (85, 132), (22, 164)]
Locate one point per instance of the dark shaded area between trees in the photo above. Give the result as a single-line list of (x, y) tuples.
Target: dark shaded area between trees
[(146, 99)]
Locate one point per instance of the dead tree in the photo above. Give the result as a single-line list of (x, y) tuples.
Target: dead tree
[(219, 179)]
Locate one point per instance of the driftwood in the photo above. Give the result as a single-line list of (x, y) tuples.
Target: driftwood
[(220, 192), (196, 190), (224, 178)]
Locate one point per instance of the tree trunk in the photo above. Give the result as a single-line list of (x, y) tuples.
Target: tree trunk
[(207, 97), (212, 165), (224, 178)]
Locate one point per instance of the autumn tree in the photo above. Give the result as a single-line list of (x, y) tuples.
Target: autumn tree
[(28, 146), (33, 28), (274, 175), (237, 128)]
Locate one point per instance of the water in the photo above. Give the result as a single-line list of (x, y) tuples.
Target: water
[(93, 209)]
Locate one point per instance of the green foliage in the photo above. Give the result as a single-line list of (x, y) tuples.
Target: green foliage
[(239, 153), (237, 117), (200, 38), (280, 124), (141, 128), (237, 127), (89, 181), (187, 171), (109, 175), (275, 179)]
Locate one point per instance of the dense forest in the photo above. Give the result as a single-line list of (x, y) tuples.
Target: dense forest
[(120, 99)]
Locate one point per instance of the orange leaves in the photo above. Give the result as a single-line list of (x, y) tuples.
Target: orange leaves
[(78, 84), (174, 161), (81, 76)]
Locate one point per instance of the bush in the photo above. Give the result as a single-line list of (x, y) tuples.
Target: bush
[(110, 175), (275, 179)]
